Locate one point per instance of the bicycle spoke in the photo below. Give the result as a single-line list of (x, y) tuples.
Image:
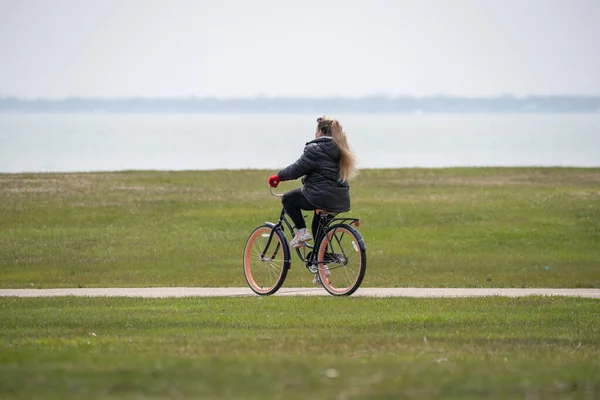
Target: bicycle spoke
[(347, 272), (273, 267), (341, 247)]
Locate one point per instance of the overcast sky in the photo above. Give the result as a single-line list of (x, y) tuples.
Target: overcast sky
[(226, 48)]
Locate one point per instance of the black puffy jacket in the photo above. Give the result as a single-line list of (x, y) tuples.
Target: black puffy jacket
[(319, 165)]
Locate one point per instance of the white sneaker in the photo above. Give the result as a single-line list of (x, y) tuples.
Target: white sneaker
[(302, 236)]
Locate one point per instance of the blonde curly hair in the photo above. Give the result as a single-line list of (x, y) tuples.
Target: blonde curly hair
[(332, 127)]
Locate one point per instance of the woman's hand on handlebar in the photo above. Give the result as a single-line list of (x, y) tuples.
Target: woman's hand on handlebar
[(274, 181)]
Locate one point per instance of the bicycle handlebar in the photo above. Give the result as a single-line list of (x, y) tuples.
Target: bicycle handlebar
[(274, 193)]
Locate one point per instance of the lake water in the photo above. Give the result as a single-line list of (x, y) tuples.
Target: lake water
[(109, 142)]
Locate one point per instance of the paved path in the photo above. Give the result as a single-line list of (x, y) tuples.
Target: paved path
[(314, 291)]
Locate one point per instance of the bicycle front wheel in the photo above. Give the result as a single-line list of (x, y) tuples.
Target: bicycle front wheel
[(342, 260), (265, 268)]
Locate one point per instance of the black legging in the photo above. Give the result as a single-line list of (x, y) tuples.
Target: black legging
[(293, 203)]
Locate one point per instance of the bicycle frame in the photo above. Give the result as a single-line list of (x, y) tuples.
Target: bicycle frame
[(280, 225), (325, 221)]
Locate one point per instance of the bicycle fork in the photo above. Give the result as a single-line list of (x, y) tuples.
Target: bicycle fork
[(262, 255)]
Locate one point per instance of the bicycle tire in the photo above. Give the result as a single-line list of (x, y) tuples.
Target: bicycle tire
[(265, 276), (342, 260)]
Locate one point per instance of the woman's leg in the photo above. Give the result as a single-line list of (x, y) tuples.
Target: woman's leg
[(293, 203)]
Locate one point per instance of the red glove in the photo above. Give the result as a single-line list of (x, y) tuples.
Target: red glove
[(274, 181)]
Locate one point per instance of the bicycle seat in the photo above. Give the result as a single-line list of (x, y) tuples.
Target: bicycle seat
[(325, 213)]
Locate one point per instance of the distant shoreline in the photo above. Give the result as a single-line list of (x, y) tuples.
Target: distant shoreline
[(168, 172), (280, 105)]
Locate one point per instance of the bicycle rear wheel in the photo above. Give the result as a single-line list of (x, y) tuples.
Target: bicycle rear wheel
[(342, 260), (265, 268)]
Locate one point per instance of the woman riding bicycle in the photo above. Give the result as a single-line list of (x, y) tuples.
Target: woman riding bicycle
[(326, 165)]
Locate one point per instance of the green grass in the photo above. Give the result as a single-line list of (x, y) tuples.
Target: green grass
[(472, 227), (299, 348), (459, 227)]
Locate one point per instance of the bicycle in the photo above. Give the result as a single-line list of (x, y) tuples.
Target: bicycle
[(338, 264)]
